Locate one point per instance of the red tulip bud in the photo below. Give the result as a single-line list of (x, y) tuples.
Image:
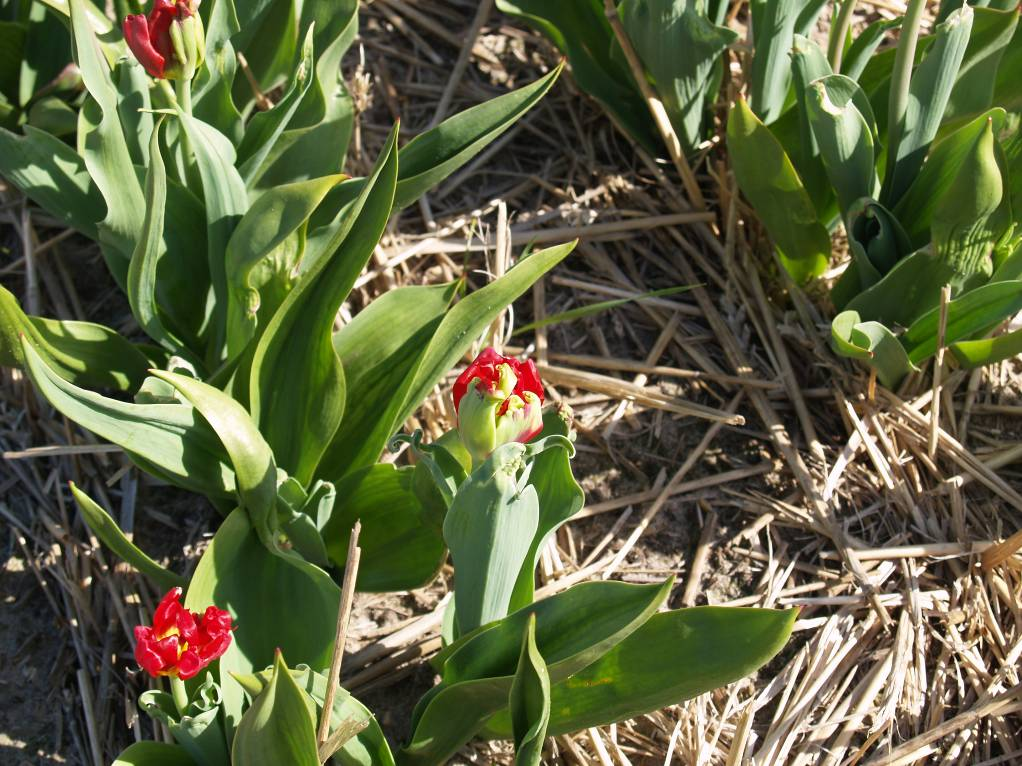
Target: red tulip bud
[(180, 643), (499, 400), (170, 42)]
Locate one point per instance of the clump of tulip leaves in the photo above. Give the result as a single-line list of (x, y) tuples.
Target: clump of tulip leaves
[(236, 237), (916, 151)]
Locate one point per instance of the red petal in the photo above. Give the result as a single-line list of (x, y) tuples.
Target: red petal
[(483, 367), (189, 664), (160, 18), (136, 34), (165, 616), (528, 380)]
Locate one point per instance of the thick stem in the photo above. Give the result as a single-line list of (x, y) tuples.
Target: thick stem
[(901, 77), (839, 34), (180, 695), (184, 94)]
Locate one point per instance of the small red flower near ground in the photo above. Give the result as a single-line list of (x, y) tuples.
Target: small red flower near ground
[(486, 367), (151, 38), (180, 643)]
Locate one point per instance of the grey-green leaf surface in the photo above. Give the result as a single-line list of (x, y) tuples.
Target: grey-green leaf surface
[(153, 754), (298, 345), (172, 437), (773, 30), (872, 343), (992, 32)]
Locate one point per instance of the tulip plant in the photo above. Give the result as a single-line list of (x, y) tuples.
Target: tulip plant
[(512, 667), (915, 150)]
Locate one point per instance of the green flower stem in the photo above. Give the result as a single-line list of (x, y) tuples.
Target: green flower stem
[(901, 77), (184, 94), (180, 695), (839, 34)]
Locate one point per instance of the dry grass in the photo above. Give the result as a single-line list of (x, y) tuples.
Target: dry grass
[(720, 441)]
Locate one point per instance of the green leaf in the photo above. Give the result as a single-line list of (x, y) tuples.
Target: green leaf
[(142, 272), (282, 601), (974, 312), (595, 308), (489, 530), (865, 44), (929, 91), (225, 203), (211, 88), (105, 528), (47, 51), (573, 629), (172, 438), (380, 357), (979, 353), (991, 34), (872, 343), (905, 293), (770, 182), (265, 128), (12, 44), (808, 63), (280, 727), (262, 255), (400, 549), (580, 30), (104, 147), (255, 474), (83, 353), (673, 657), (560, 497), (54, 176), (368, 748), (530, 701), (432, 156), (298, 344), (964, 226), (773, 32), (153, 754), (845, 131), (681, 49), (198, 729), (938, 175)]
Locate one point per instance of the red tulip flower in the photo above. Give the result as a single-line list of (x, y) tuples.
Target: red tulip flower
[(169, 42), (180, 643), (499, 400)]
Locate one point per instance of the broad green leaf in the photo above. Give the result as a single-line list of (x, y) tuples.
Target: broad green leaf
[(877, 238), (973, 92), (905, 293), (47, 51), (1007, 93), (865, 44), (964, 226), (573, 629), (134, 108), (560, 497), (255, 474), (282, 601), (929, 91), (768, 179), (83, 353), (808, 63), (298, 346), (974, 312), (54, 176), (380, 357), (401, 550), (844, 128), (938, 175), (530, 701), (270, 40), (172, 438), (368, 748), (773, 31), (12, 45), (673, 657), (104, 146), (979, 353), (280, 727), (153, 754), (872, 343), (105, 528), (579, 28), (198, 729), (432, 156), (489, 530), (265, 128), (681, 49), (263, 253), (225, 202)]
